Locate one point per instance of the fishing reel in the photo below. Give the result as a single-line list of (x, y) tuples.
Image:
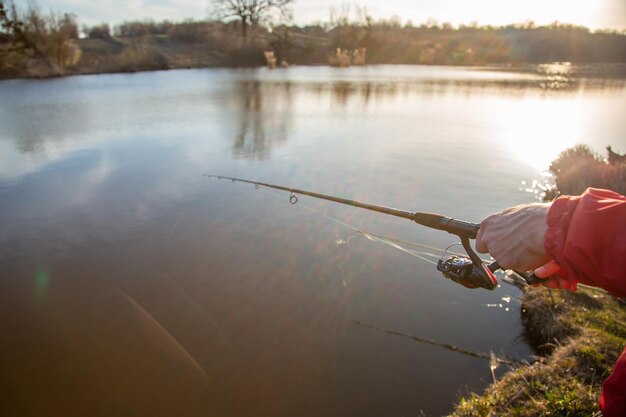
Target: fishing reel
[(462, 270), (469, 271)]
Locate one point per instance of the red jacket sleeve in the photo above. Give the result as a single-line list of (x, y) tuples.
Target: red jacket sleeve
[(586, 236), (613, 397)]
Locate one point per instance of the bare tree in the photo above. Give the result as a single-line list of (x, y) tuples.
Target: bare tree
[(251, 12), (6, 23), (50, 37)]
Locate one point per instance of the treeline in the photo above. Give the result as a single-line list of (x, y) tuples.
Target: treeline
[(33, 44), (390, 42), (188, 31), (387, 42)]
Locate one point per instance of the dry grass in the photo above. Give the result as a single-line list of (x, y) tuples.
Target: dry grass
[(345, 58)]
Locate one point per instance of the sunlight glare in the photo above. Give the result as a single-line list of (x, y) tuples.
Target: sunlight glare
[(541, 129)]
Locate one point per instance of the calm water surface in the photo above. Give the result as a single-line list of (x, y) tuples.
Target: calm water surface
[(132, 285)]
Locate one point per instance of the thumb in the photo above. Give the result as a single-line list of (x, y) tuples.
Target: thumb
[(547, 270)]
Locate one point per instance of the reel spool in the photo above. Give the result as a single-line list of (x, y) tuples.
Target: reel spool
[(465, 271)]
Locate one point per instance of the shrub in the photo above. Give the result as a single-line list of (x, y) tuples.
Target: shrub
[(578, 168)]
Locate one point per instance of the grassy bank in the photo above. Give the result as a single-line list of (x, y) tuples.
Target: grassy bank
[(579, 337)]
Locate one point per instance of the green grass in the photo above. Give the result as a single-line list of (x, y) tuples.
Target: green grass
[(581, 336)]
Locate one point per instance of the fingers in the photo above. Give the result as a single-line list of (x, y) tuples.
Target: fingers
[(555, 277), (481, 246), (515, 236), (547, 270), (558, 283), (550, 271)]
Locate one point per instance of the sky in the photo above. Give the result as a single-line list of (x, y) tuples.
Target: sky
[(595, 14)]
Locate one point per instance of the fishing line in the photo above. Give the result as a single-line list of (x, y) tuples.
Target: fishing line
[(419, 245), (466, 269), (394, 243), (380, 238), (447, 346)]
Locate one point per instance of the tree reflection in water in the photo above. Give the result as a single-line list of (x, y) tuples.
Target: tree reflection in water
[(262, 110), (264, 117)]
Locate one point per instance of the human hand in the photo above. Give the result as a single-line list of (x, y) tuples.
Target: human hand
[(515, 236)]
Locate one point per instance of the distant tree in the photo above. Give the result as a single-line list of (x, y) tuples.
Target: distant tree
[(251, 12), (339, 16), (134, 29), (101, 31), (53, 35), (50, 37), (10, 49), (6, 23), (11, 25), (191, 31)]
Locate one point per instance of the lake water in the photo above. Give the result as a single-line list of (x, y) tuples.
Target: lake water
[(132, 285)]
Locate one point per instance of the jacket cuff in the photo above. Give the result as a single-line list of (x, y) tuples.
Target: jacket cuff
[(559, 218)]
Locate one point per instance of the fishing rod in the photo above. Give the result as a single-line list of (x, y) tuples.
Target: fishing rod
[(469, 271)]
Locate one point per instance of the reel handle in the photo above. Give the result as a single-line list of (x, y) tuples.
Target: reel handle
[(531, 279)]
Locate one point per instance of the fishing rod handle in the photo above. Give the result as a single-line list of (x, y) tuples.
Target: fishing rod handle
[(531, 279), (456, 227)]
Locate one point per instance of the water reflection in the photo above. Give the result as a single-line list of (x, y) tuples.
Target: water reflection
[(264, 116), (49, 125), (343, 93)]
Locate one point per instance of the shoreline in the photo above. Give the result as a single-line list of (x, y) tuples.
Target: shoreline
[(173, 68), (578, 337), (507, 67)]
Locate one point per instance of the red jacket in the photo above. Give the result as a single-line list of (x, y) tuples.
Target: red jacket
[(587, 237)]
